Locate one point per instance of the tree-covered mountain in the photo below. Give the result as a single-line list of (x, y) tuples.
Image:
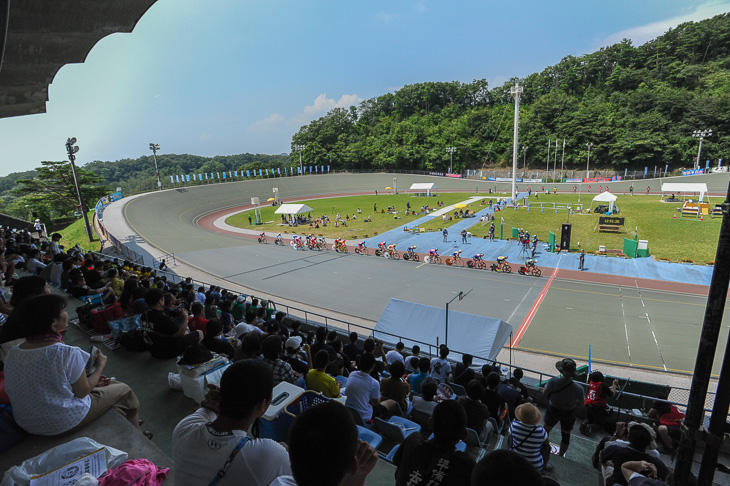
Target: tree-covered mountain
[(638, 106)]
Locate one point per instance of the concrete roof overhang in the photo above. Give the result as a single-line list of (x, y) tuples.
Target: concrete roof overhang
[(41, 36)]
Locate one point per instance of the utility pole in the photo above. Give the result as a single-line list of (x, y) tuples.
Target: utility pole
[(547, 162), (711, 326), (515, 91), (562, 162), (155, 147), (72, 149), (299, 147), (524, 160)]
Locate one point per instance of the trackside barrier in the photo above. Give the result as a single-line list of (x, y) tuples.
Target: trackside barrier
[(677, 396)]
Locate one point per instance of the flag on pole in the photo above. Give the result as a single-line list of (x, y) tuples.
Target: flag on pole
[(187, 177), (299, 170), (206, 176), (177, 178), (278, 170), (310, 169), (200, 177), (328, 168), (171, 181), (224, 174), (235, 172), (322, 169), (267, 172), (247, 174)]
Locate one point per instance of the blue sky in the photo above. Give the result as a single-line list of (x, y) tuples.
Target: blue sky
[(212, 77)]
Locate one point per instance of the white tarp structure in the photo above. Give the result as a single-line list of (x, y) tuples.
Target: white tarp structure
[(426, 187), (482, 337), (292, 209), (693, 187), (606, 196)]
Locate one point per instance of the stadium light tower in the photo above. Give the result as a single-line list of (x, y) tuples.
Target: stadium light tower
[(299, 147), (515, 91), (72, 149), (701, 134), (155, 147), (450, 151), (588, 164), (524, 159)]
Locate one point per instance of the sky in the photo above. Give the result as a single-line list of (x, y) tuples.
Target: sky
[(219, 77)]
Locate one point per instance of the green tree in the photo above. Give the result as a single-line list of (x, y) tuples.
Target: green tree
[(53, 189)]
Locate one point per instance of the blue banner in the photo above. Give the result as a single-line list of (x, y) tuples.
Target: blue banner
[(115, 196), (310, 169), (247, 174), (646, 170), (177, 178), (188, 177), (235, 172), (322, 169), (171, 181), (267, 172), (299, 170), (491, 178), (328, 168), (278, 170), (707, 166), (224, 174)]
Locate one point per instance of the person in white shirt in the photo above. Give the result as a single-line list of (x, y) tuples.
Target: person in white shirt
[(363, 392), (440, 367), (396, 354), (203, 443), (34, 265)]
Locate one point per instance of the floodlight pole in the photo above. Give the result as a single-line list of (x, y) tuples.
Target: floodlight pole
[(155, 147), (459, 296), (711, 327), (701, 134), (515, 91), (588, 164), (450, 151), (71, 149), (299, 147)]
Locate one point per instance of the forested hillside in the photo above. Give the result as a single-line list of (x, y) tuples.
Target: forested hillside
[(638, 106)]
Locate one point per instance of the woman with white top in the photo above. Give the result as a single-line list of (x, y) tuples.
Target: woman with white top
[(53, 387)]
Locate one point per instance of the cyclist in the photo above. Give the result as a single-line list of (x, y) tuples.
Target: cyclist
[(321, 243), (381, 246), (434, 252), (391, 248), (278, 239), (297, 242), (412, 251), (456, 257), (478, 257), (262, 237), (361, 247)]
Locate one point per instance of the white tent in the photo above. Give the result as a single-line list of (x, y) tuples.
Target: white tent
[(693, 187), (426, 187), (292, 209), (606, 196), (482, 337)]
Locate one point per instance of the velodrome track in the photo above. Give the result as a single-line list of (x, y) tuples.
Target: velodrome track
[(646, 324)]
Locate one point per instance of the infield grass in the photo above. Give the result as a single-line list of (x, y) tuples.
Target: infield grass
[(651, 219)]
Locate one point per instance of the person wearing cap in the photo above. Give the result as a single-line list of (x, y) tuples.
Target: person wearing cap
[(291, 356), (239, 308), (529, 438), (597, 402), (564, 397)]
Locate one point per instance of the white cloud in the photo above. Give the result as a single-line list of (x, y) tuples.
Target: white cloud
[(643, 33), (384, 17), (272, 119), (322, 105)]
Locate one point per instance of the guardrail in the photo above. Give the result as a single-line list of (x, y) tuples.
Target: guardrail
[(678, 396)]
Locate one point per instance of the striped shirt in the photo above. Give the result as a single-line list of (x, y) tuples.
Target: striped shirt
[(527, 440)]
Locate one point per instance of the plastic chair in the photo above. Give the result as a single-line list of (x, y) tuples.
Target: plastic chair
[(460, 446), (458, 389), (472, 439), (367, 435), (391, 454), (394, 431), (357, 417)]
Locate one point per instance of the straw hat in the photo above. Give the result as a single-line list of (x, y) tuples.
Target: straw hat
[(528, 414)]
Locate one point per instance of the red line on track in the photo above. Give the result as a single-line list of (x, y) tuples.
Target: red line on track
[(533, 310)]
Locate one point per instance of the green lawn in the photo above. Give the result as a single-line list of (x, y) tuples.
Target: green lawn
[(683, 238), (675, 239), (358, 228), (75, 234)]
